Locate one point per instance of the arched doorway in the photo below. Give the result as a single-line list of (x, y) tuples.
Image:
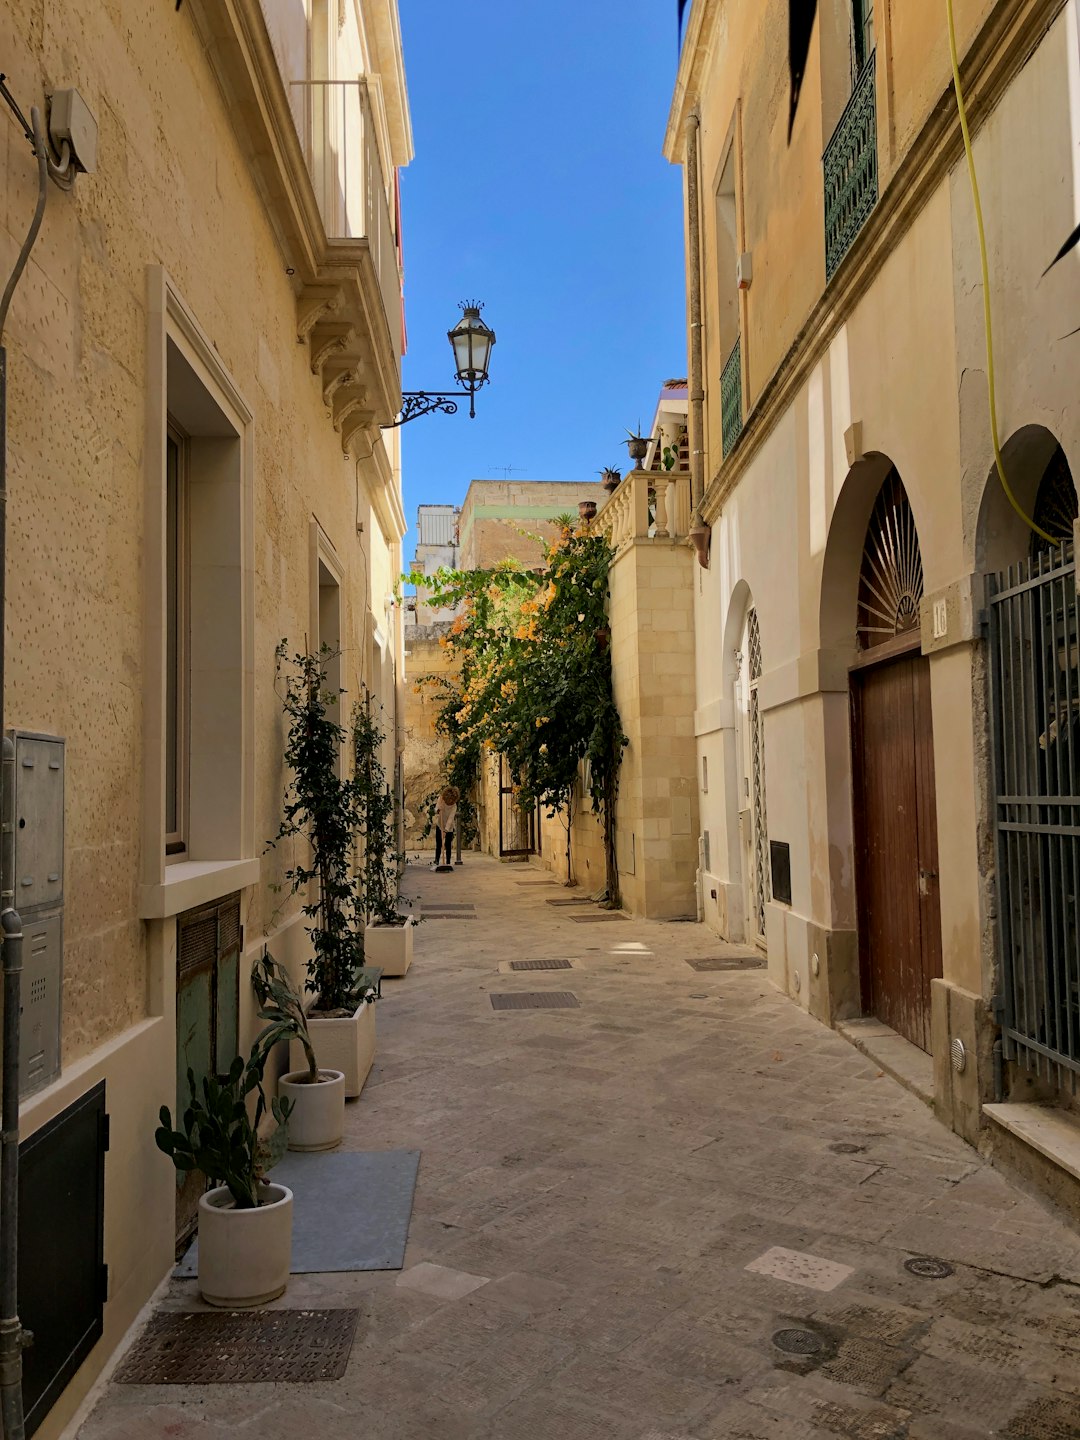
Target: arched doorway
[(753, 823), (895, 817), (1034, 646)]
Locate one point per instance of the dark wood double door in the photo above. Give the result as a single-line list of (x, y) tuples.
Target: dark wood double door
[(896, 850)]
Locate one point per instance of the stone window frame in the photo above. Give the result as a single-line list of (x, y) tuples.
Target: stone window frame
[(190, 387)]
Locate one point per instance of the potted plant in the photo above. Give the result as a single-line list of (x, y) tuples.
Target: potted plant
[(316, 1097), (587, 510), (245, 1222), (610, 478), (637, 446), (322, 808), (388, 936)]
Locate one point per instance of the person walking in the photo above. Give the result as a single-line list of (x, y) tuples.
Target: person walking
[(445, 819)]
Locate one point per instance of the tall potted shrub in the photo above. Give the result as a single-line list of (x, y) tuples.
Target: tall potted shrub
[(245, 1222), (388, 936), (322, 808)]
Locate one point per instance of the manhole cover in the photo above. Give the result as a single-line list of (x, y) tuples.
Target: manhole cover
[(540, 965), (543, 1000), (798, 1342), (927, 1268), (604, 915), (566, 900), (231, 1347), (728, 962), (844, 1147)]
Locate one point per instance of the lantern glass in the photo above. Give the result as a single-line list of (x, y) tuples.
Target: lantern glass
[(472, 341)]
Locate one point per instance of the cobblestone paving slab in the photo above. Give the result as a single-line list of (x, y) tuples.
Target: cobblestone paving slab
[(612, 1171)]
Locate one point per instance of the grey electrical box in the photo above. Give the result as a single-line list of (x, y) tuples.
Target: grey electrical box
[(39, 1043), (39, 822), (33, 816)]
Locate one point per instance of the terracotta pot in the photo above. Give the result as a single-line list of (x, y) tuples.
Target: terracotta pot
[(700, 536), (610, 479), (244, 1255), (586, 509), (637, 445)]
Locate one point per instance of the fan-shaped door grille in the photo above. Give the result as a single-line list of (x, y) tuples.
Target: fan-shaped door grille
[(891, 578), (1055, 504)]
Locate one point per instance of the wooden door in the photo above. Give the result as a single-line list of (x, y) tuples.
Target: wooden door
[(896, 844)]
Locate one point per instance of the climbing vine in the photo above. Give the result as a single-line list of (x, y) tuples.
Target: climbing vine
[(534, 676)]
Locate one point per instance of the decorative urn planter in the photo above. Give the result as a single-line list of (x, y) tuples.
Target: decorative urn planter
[(587, 509), (610, 479), (637, 445), (317, 1119), (343, 1042), (389, 948), (244, 1255)]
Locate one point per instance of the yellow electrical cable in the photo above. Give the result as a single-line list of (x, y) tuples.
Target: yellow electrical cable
[(985, 284)]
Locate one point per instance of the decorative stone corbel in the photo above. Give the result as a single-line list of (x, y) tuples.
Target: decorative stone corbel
[(332, 345), (358, 420), (315, 307), (348, 406), (348, 375), (700, 536)]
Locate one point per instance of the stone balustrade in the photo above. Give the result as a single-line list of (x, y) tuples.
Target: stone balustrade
[(648, 505)]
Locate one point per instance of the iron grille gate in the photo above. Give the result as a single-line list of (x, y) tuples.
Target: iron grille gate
[(1035, 710)]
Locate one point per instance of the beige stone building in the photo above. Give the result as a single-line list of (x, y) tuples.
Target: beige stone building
[(201, 356), (886, 681)]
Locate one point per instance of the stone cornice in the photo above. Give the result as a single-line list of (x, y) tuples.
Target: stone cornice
[(1000, 50), (693, 59)]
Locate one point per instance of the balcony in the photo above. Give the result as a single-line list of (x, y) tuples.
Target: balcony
[(851, 170), (731, 413), (338, 138)]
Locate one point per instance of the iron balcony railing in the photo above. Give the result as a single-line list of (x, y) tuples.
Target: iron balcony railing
[(334, 121), (1035, 694), (731, 414), (851, 170)]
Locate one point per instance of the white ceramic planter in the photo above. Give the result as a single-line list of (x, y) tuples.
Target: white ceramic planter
[(317, 1119), (389, 947), (346, 1043), (244, 1255)]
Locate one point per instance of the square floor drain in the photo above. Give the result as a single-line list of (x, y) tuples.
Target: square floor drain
[(447, 905), (725, 962), (446, 915), (592, 919), (568, 900), (541, 1000), (241, 1347), (540, 965)]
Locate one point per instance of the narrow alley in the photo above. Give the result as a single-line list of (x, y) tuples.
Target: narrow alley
[(629, 1206)]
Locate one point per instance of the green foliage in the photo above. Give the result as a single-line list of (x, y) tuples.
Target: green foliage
[(535, 679), (218, 1135), (281, 1005), (324, 809), (376, 808)]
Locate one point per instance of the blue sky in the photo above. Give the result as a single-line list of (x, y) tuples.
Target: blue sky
[(539, 187)]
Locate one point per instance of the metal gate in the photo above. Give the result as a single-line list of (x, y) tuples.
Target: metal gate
[(1035, 713), (518, 825)]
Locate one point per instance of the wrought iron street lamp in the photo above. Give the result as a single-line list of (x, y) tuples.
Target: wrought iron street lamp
[(471, 341)]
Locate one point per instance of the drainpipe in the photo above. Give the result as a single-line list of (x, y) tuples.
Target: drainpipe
[(12, 1335), (693, 275)]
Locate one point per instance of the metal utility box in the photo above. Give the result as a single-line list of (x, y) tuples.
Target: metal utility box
[(33, 814), (39, 1047), (39, 822)]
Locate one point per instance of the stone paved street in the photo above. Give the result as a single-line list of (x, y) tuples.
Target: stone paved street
[(625, 1179)]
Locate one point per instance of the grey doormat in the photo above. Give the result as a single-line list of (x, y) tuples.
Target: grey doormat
[(241, 1346), (351, 1210)]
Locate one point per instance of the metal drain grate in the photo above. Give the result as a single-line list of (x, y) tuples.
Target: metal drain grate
[(725, 962), (603, 915), (534, 882), (798, 1342), (448, 905), (541, 1000), (540, 965), (928, 1268), (445, 915), (844, 1147), (569, 900), (241, 1347)]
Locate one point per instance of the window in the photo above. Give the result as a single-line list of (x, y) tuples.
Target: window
[(176, 640), (862, 36), (704, 774)]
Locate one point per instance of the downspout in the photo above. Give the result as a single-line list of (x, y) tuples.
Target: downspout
[(12, 1335), (693, 276)]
